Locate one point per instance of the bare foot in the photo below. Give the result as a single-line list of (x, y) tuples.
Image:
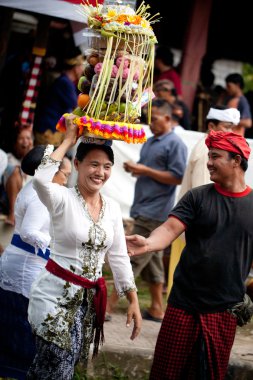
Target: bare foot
[(154, 313), (149, 317), (108, 317)]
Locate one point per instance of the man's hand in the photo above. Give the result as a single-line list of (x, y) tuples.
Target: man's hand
[(136, 245), (135, 169)]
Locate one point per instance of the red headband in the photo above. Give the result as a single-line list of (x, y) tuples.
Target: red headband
[(229, 141)]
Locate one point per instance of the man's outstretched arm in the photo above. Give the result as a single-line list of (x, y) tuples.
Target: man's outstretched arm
[(158, 240)]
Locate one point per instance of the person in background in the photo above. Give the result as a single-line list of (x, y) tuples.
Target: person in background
[(68, 299), (13, 178), (236, 99), (165, 89), (62, 175), (60, 98), (159, 170), (3, 166), (177, 128), (3, 162), (164, 68), (208, 298), (177, 112), (20, 264), (218, 118)]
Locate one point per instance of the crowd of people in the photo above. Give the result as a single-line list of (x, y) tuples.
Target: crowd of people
[(52, 291)]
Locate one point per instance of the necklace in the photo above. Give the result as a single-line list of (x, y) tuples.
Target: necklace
[(94, 208), (85, 206)]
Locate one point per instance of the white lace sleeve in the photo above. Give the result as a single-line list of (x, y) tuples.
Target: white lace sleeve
[(34, 229), (49, 193), (47, 159)]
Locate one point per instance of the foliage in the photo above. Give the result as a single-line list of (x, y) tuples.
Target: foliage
[(247, 73), (108, 371)]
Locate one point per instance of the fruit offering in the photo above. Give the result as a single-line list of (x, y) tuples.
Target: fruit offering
[(118, 73)]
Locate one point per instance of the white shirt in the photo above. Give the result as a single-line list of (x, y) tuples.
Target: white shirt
[(79, 245), (196, 172), (19, 268), (3, 162)]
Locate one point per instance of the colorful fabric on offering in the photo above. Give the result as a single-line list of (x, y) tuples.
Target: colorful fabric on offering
[(229, 141), (130, 133), (178, 352)]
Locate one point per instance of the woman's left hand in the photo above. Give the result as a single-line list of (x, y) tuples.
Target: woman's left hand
[(71, 129), (134, 314)]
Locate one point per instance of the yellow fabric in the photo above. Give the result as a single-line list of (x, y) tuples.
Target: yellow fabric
[(48, 137), (176, 249)]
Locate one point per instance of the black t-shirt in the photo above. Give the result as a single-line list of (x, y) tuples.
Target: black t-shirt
[(219, 249)]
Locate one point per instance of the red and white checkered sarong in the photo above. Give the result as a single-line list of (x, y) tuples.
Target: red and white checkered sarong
[(177, 350)]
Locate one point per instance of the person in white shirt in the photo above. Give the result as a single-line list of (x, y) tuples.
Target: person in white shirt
[(3, 166), (20, 264), (13, 178), (3, 162), (68, 299), (196, 173)]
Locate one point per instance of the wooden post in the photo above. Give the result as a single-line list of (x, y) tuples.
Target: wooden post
[(194, 49)]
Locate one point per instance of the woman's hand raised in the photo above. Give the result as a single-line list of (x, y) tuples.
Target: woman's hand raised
[(70, 138), (72, 130)]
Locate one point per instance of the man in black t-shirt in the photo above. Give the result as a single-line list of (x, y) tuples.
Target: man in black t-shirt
[(199, 326)]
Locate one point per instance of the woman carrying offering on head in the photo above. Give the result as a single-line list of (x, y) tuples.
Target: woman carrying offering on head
[(68, 300)]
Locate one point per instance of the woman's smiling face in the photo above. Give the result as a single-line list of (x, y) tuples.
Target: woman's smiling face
[(93, 171)]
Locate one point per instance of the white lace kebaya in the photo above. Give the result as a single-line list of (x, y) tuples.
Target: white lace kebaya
[(78, 244)]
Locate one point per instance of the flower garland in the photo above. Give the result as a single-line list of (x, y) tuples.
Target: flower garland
[(130, 133), (120, 18)]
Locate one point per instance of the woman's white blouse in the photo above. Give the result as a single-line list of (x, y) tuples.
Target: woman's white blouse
[(19, 268), (79, 245)]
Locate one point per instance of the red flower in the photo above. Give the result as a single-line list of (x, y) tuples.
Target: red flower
[(99, 18)]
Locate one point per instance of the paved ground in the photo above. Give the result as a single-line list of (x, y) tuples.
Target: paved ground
[(135, 357), (117, 335)]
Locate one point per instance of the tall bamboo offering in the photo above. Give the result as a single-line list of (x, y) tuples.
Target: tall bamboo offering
[(118, 76)]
